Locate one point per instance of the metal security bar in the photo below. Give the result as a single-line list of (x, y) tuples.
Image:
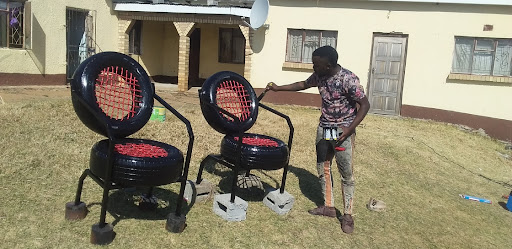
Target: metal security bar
[(79, 38), (11, 24)]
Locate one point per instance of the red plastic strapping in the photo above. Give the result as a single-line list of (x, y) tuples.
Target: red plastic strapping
[(140, 150), (117, 93), (233, 97), (263, 142)]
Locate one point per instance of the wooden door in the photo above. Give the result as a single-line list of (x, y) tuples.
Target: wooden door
[(387, 74)]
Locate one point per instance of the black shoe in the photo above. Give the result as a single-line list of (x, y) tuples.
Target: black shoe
[(324, 211), (347, 223)]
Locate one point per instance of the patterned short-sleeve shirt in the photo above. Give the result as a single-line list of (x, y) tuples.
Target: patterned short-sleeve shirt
[(339, 95)]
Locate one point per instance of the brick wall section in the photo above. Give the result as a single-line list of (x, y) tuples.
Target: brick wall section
[(184, 29), (246, 31), (124, 30)]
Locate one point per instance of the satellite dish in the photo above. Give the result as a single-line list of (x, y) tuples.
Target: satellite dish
[(259, 13)]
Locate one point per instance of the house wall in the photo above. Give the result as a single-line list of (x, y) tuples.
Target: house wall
[(47, 58), (209, 58), (431, 29), (160, 47), (152, 47), (170, 50)]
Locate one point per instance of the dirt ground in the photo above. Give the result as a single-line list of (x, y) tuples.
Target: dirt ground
[(12, 94)]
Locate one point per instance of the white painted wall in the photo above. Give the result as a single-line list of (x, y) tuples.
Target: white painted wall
[(51, 18), (431, 28)]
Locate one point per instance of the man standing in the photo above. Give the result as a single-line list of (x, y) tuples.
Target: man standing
[(340, 91)]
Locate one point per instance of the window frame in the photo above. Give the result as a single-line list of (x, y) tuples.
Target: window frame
[(21, 24), (474, 49), (232, 53), (135, 38), (304, 31)]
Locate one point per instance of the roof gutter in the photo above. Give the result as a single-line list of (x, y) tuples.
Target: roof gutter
[(186, 9), (476, 2)]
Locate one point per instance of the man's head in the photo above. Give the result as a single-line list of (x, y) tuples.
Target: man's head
[(325, 60)]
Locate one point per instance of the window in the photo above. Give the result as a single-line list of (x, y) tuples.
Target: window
[(301, 43), (231, 46), (135, 37), (482, 56), (11, 24)]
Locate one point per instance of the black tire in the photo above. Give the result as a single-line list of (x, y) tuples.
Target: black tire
[(83, 87), (253, 156), (217, 120), (138, 171)]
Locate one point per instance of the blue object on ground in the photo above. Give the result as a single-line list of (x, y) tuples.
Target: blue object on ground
[(509, 202), (468, 197)]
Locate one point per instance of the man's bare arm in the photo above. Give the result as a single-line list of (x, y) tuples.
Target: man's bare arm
[(364, 106), (297, 86)]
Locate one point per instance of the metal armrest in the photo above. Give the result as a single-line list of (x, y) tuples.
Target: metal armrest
[(189, 130), (290, 137)]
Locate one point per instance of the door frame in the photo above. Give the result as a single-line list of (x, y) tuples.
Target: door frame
[(370, 68)]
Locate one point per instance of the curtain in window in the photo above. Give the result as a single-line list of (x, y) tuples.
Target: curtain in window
[(135, 37), (239, 49), (482, 59), (328, 39), (462, 57), (294, 46), (225, 39), (503, 58), (82, 48), (311, 42)]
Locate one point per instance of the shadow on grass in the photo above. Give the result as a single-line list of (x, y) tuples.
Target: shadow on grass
[(308, 184), (123, 204), (225, 185), (504, 205)]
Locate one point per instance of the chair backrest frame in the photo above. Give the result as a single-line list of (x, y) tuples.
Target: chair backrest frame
[(116, 88), (233, 94)]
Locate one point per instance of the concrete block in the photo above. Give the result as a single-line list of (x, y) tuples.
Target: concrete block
[(198, 193), (277, 202), (230, 211)]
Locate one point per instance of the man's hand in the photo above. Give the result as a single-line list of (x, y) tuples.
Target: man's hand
[(271, 86), (347, 131)]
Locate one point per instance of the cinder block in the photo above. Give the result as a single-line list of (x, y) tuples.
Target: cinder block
[(277, 202), (230, 211), (198, 193)]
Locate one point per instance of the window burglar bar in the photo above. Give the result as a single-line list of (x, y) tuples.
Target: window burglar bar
[(482, 56), (301, 43), (11, 24)]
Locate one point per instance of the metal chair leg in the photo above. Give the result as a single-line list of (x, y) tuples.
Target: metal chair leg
[(77, 210)]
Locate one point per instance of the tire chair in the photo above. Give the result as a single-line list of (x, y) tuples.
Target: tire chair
[(113, 96), (230, 106)]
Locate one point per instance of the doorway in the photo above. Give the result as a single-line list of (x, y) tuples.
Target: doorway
[(387, 73), (193, 65)]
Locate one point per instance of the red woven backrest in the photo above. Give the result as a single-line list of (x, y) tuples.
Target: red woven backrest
[(117, 93), (233, 97)]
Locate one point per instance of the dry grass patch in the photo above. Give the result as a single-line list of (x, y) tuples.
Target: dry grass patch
[(417, 167)]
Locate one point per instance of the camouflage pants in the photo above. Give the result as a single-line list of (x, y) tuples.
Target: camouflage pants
[(325, 152)]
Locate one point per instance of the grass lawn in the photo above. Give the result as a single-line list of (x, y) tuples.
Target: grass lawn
[(418, 168)]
